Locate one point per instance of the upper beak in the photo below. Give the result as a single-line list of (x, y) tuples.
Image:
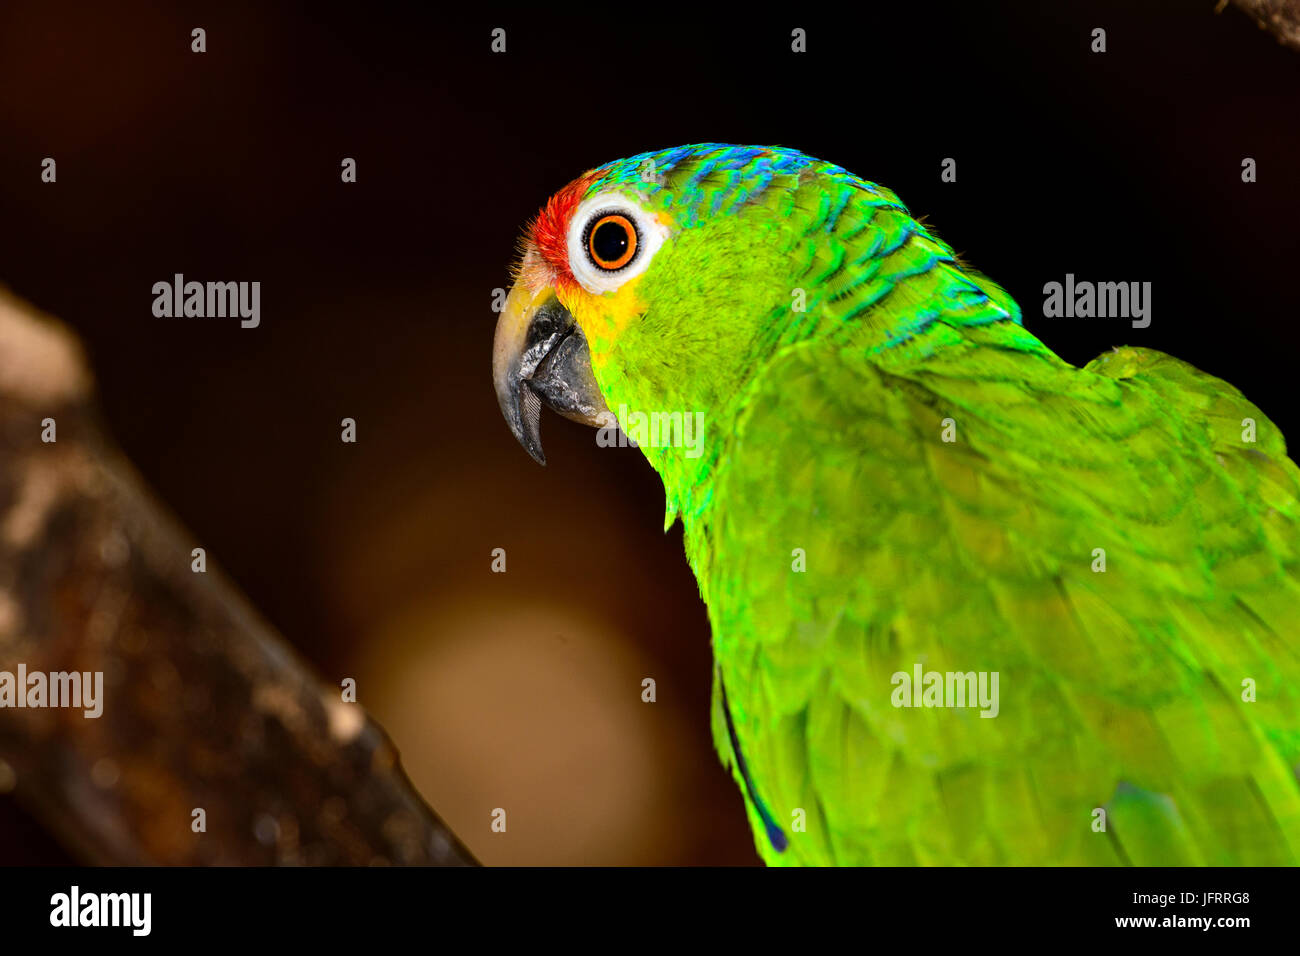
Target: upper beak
[(540, 354)]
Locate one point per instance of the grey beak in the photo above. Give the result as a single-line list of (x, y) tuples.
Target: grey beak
[(540, 355)]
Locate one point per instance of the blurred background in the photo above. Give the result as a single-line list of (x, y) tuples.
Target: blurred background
[(522, 690)]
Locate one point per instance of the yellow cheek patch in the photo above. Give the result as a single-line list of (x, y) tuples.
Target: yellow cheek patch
[(603, 317)]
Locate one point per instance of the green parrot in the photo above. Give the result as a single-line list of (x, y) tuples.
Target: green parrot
[(969, 604)]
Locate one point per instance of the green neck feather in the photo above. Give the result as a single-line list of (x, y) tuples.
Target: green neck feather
[(731, 292)]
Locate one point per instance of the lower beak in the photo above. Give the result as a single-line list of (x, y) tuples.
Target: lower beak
[(540, 355)]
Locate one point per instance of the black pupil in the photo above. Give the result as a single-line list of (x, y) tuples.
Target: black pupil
[(609, 241)]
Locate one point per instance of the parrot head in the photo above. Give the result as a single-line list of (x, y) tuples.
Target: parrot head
[(664, 282), (644, 284)]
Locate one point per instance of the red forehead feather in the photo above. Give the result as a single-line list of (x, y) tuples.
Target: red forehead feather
[(550, 231)]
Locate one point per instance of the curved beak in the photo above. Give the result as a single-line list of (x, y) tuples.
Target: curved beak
[(540, 355)]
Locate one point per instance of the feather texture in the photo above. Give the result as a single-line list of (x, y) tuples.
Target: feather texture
[(876, 406)]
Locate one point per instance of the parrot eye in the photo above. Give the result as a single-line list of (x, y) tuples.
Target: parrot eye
[(611, 241)]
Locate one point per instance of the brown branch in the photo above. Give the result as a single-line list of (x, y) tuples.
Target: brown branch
[(1279, 17), (204, 706)]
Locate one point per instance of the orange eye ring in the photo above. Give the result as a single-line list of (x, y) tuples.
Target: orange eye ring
[(612, 241)]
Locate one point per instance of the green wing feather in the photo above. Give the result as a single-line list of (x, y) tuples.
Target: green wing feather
[(1120, 690), (1125, 690)]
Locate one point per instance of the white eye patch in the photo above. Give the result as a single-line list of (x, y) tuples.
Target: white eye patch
[(611, 239)]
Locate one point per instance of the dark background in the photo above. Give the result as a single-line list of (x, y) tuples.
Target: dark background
[(522, 690)]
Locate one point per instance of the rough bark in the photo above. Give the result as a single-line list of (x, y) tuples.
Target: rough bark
[(204, 705), (1279, 17)]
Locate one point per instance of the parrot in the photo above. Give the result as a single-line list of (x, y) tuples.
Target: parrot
[(969, 604)]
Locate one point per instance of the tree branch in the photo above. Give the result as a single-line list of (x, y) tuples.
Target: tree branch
[(1279, 17), (204, 706)]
